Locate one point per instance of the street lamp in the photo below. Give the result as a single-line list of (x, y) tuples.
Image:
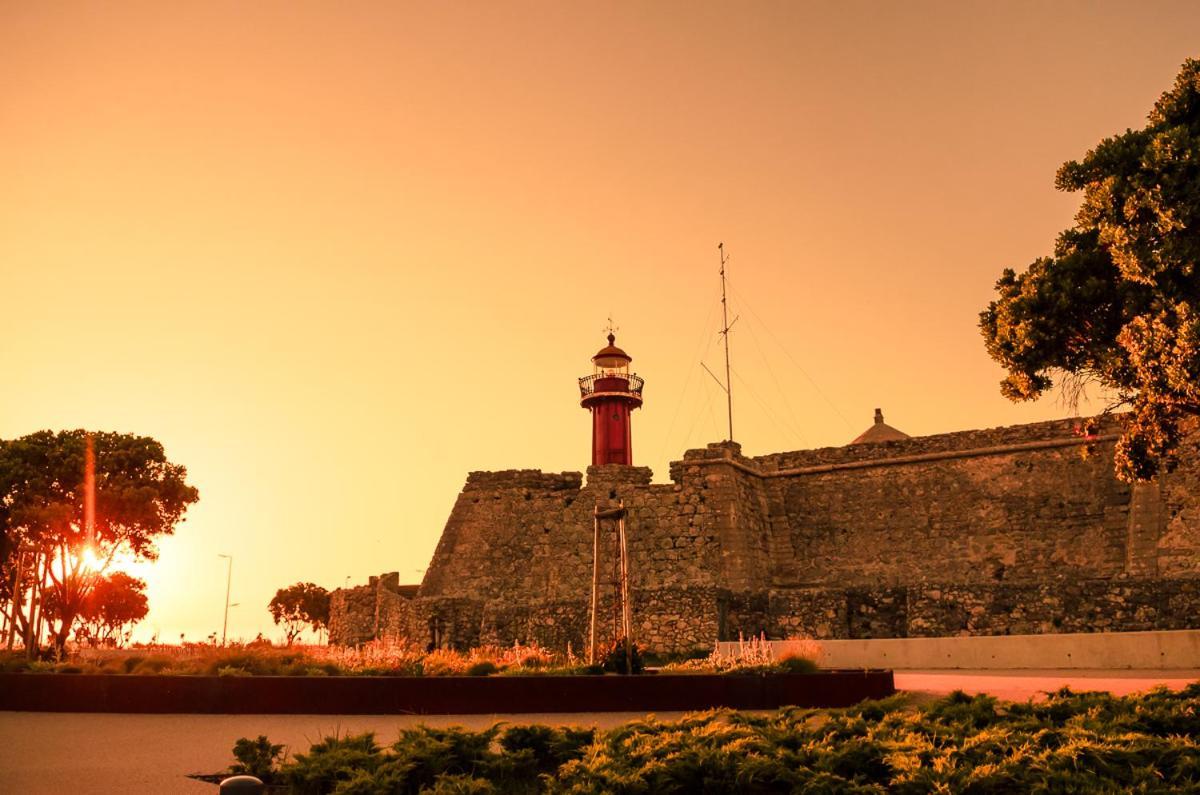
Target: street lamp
[(228, 582)]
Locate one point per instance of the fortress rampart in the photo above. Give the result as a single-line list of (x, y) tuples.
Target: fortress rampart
[(989, 532)]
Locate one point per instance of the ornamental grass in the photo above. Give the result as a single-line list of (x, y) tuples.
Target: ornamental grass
[(385, 658)]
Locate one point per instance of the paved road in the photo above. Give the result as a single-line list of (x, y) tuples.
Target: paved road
[(1025, 684), (49, 753), (52, 753)]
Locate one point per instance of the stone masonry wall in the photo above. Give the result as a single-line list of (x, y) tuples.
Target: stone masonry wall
[(1024, 516), (371, 611), (1007, 530), (521, 544)]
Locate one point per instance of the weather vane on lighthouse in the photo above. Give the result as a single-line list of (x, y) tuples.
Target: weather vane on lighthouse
[(611, 393)]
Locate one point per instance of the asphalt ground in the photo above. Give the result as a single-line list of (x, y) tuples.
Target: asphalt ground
[(55, 753)]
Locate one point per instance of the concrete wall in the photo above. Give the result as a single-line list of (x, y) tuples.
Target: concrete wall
[(1178, 649)]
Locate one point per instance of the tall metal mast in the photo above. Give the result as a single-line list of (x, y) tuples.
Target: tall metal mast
[(725, 333)]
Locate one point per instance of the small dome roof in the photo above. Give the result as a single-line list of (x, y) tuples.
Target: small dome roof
[(612, 351), (880, 432)]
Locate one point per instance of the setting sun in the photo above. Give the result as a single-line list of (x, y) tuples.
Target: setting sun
[(89, 561)]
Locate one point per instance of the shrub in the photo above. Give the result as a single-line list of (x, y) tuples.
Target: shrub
[(615, 660), (1071, 742), (796, 664), (482, 668), (150, 665), (11, 663), (547, 747), (255, 758), (332, 762)]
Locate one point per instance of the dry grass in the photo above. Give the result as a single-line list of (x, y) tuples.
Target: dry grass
[(379, 658), (382, 658), (754, 656)]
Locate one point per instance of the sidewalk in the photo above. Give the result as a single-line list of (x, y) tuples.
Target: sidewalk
[(1019, 685)]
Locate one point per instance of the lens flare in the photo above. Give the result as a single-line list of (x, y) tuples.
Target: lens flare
[(89, 560)]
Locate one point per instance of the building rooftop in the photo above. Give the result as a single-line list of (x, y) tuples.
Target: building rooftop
[(612, 351), (880, 432)]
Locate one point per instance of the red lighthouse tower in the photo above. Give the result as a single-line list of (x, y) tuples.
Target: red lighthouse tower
[(611, 393)]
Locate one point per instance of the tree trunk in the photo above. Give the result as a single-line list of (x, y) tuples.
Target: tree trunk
[(60, 641)]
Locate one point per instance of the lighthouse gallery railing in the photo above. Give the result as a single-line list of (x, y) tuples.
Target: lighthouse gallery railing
[(633, 384)]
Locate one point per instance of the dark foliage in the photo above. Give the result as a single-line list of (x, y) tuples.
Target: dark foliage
[(614, 659), (1084, 743), (300, 605), (1118, 301), (255, 758), (140, 497)]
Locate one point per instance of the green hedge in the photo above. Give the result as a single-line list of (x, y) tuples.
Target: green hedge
[(1071, 742)]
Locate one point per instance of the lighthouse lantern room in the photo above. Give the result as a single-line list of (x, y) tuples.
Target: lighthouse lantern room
[(611, 392)]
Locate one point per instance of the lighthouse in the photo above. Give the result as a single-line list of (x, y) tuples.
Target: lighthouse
[(611, 392)]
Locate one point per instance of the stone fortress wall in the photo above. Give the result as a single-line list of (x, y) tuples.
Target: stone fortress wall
[(991, 532)]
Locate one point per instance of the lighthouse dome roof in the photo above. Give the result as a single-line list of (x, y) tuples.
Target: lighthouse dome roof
[(611, 351)]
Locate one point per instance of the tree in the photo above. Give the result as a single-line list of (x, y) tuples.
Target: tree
[(115, 604), (106, 615), (1118, 301), (300, 605), (140, 496)]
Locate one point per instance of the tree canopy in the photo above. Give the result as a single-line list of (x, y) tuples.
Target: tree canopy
[(109, 610), (140, 496), (300, 605), (1117, 303)]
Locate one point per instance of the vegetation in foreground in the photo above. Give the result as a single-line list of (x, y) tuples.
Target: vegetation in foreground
[(381, 658), (1071, 742)]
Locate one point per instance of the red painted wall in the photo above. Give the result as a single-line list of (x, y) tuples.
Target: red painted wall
[(612, 442)]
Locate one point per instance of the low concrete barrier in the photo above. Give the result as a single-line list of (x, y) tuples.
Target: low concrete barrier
[(1093, 650), (451, 695)]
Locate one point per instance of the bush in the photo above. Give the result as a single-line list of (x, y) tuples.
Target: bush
[(615, 660), (14, 663), (150, 665), (482, 668), (1089, 742), (332, 762), (795, 664), (255, 758)]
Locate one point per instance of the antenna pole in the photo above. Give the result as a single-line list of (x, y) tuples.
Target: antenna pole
[(725, 334)]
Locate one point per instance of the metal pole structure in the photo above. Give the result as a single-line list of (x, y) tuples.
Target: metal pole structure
[(595, 584), (627, 629), (725, 334), (228, 582)]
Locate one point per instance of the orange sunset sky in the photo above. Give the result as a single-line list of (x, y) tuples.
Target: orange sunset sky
[(336, 255)]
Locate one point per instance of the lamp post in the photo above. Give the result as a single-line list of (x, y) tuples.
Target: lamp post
[(228, 582)]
